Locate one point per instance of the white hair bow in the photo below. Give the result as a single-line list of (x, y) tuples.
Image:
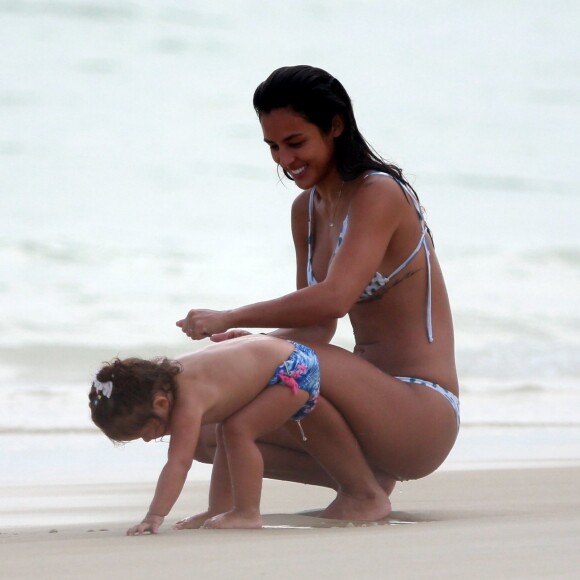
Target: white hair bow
[(105, 388)]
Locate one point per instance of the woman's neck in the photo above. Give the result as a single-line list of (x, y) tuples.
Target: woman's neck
[(330, 189)]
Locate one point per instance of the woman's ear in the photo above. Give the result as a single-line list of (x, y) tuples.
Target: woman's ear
[(337, 126)]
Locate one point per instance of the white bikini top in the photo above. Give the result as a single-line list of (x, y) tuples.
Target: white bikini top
[(378, 280)]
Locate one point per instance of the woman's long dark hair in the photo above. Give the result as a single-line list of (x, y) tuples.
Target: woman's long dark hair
[(319, 97)]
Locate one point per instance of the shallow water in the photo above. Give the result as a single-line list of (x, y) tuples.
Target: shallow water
[(135, 185)]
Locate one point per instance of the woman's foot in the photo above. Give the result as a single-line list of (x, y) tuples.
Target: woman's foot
[(358, 508)]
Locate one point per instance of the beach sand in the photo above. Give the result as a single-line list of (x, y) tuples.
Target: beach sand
[(495, 523)]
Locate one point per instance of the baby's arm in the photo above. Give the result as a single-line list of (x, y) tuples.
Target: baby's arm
[(220, 489), (184, 435)]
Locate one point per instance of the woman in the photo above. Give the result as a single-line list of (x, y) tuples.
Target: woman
[(363, 249)]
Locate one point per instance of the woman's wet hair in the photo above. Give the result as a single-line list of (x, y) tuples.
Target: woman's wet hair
[(319, 97), (121, 396)]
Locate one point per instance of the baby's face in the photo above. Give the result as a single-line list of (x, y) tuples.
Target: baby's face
[(158, 425), (155, 428)]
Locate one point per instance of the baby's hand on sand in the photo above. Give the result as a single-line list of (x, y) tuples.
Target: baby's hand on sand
[(150, 524), (234, 333)]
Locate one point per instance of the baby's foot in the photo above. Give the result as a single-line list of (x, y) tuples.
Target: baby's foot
[(358, 508), (234, 520), (193, 522)]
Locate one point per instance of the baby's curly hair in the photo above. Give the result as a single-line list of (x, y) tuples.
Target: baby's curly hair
[(125, 410)]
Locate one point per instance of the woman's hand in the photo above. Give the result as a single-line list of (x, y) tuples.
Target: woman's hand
[(151, 523), (200, 324), (234, 333)]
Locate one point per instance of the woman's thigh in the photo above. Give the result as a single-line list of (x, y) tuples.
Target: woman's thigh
[(404, 430), (278, 438)]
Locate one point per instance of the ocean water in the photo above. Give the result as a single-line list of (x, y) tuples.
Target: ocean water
[(134, 185)]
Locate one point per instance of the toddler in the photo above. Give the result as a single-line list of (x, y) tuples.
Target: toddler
[(248, 387)]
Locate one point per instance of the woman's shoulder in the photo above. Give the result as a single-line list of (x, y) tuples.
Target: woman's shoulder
[(301, 204), (378, 191), (302, 197), (378, 180)]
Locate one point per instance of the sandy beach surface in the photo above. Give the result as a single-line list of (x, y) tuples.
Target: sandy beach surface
[(493, 523)]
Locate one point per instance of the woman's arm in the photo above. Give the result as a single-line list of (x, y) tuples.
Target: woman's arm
[(374, 216), (321, 333), (315, 333)]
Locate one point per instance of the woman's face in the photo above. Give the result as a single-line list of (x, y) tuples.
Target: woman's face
[(300, 147)]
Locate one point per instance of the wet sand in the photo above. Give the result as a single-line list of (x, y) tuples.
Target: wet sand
[(494, 523)]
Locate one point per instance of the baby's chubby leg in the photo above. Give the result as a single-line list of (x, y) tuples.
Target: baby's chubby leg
[(220, 491), (240, 432)]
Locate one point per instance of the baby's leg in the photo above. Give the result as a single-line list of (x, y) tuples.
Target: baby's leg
[(267, 412), (220, 490), (285, 458), (360, 495)]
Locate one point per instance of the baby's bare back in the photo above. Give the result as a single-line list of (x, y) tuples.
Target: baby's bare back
[(226, 376)]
